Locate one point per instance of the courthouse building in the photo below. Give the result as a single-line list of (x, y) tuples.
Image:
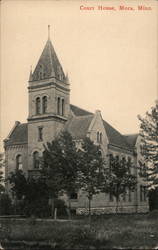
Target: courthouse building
[(50, 112)]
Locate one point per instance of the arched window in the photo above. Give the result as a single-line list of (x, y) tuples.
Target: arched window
[(62, 107), (38, 103), (98, 137), (36, 160), (19, 162), (111, 161), (44, 104), (58, 106), (129, 164)]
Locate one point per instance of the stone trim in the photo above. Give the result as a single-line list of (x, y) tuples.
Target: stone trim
[(57, 117)]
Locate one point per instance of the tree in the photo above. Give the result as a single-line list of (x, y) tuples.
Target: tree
[(149, 146), (91, 169), (18, 183), (149, 153), (30, 194), (2, 165), (119, 178), (60, 164)]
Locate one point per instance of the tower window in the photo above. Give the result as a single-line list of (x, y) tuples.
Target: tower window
[(38, 103), (41, 72), (19, 162), (40, 133), (36, 160), (58, 106), (62, 107), (44, 104)]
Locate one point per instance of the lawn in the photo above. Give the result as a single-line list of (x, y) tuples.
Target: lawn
[(104, 232)]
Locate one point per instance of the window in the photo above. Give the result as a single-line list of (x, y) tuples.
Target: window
[(40, 133), (129, 195), (62, 107), (117, 159), (111, 198), (38, 103), (124, 196), (111, 161), (73, 196), (129, 164), (19, 162), (36, 160), (58, 106), (44, 104), (142, 169), (99, 137), (41, 72), (142, 193), (123, 161)]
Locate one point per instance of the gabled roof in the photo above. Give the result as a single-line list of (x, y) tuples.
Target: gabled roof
[(18, 136), (78, 111), (48, 65), (131, 139), (78, 126), (115, 138)]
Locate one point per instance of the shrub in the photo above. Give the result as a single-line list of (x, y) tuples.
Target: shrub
[(153, 214), (5, 204), (61, 207)]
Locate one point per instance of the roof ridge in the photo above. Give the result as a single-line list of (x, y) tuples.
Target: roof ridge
[(83, 116)]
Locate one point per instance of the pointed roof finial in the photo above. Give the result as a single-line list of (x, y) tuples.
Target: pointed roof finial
[(48, 31), (67, 77), (30, 77)]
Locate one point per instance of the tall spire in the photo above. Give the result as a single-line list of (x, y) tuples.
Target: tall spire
[(48, 64)]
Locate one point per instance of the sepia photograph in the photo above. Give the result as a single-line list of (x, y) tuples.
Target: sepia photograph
[(79, 124)]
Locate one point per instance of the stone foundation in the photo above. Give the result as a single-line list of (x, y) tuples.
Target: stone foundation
[(111, 210)]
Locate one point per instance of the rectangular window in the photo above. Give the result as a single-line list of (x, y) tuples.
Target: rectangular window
[(124, 196), (142, 193), (129, 195), (111, 198), (40, 133)]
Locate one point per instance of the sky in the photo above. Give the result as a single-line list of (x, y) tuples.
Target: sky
[(111, 57)]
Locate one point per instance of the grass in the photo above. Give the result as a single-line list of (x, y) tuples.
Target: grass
[(104, 232)]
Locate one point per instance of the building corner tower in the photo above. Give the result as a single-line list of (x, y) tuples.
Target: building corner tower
[(49, 103)]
